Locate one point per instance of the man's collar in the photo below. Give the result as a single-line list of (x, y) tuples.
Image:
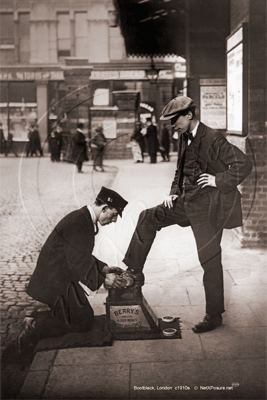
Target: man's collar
[(92, 213), (194, 131), (79, 130)]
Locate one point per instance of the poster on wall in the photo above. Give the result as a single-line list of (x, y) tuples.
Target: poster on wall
[(237, 77), (235, 88), (213, 106)]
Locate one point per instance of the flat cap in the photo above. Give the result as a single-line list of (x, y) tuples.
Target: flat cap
[(99, 128), (112, 199), (174, 106)]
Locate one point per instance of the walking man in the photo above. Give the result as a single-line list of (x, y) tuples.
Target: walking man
[(10, 145), (165, 143), (152, 141), (203, 195), (79, 148), (64, 263), (3, 140)]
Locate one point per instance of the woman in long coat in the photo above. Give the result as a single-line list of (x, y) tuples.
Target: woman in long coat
[(79, 148)]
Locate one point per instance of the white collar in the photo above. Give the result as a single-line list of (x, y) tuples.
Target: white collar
[(79, 130), (194, 131), (91, 211)]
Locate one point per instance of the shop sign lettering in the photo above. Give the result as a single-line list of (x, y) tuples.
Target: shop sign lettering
[(32, 76)]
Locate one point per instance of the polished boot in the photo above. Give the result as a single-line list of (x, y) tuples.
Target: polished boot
[(138, 276), (208, 324)]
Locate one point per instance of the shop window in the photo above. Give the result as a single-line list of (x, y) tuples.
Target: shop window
[(18, 102), (6, 30), (24, 38), (81, 34), (101, 97), (63, 36)]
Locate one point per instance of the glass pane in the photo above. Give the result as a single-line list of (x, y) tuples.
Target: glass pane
[(63, 27), (63, 44), (6, 28), (81, 24), (81, 47), (22, 92), (24, 25), (101, 97), (24, 37)]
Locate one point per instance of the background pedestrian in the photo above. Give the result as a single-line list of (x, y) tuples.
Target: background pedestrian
[(137, 155), (35, 142), (98, 141), (79, 148), (152, 141), (165, 143), (139, 137), (10, 145), (3, 140)]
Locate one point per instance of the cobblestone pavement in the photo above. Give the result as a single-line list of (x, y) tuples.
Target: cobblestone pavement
[(35, 194)]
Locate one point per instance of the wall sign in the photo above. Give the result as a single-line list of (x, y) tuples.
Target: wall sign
[(31, 76), (237, 86), (127, 75), (213, 106)]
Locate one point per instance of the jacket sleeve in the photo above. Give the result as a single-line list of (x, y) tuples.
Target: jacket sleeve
[(83, 266), (239, 165), (175, 183)]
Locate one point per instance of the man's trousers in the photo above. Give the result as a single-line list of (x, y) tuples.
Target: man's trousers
[(208, 238), (72, 314)]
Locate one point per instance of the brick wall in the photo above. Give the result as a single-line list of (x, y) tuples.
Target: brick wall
[(254, 188)]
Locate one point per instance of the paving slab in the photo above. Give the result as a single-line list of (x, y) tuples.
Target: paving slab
[(126, 352), (199, 379), (229, 342), (93, 382), (34, 385)]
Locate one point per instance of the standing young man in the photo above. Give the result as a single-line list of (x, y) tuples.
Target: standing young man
[(203, 195), (64, 263)]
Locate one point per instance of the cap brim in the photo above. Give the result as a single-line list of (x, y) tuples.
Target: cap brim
[(162, 118)]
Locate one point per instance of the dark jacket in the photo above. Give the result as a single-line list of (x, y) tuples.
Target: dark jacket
[(99, 140), (139, 138), (67, 257), (152, 139), (229, 165), (165, 139), (79, 148)]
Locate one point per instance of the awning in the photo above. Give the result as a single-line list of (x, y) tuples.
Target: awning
[(152, 27)]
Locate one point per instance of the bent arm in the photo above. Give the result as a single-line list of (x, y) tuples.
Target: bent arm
[(239, 166)]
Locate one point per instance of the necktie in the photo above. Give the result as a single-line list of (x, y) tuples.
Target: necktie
[(96, 229), (188, 136)]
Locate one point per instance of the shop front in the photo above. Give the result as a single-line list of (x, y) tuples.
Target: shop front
[(24, 96)]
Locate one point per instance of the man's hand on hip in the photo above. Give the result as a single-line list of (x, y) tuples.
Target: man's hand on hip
[(206, 180), (168, 200)]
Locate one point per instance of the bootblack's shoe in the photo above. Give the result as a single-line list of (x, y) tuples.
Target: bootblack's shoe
[(208, 324), (26, 339), (138, 276)]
